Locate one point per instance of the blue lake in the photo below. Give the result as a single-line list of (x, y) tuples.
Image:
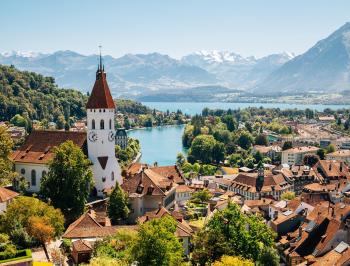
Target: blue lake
[(193, 108), (159, 144), (162, 144)]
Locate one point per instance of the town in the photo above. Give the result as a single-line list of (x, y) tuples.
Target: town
[(257, 186)]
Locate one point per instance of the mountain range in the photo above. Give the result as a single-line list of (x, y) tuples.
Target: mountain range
[(214, 75)]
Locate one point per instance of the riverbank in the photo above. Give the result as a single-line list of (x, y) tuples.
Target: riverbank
[(193, 108)]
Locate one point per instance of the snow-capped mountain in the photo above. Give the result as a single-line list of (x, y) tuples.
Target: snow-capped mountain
[(235, 70), (129, 74)]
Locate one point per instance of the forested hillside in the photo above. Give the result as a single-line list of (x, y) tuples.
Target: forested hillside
[(36, 97)]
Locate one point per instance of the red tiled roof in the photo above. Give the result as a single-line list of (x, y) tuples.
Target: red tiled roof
[(100, 96), (38, 146), (82, 245), (6, 194), (169, 171)]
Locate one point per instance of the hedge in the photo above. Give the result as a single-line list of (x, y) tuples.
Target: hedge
[(20, 255)]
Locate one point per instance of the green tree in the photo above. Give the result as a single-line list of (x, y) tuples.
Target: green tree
[(321, 153), (289, 195), (127, 124), (180, 159), (157, 245), (202, 148), (6, 145), (287, 145), (311, 159), (18, 121), (201, 196), (233, 261), (117, 207), (245, 140), (233, 233), (68, 181), (60, 122), (22, 209), (268, 257), (261, 139), (218, 152), (330, 148), (258, 157), (117, 246)]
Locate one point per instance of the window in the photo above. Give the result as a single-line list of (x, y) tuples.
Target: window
[(23, 171), (93, 124), (103, 179), (33, 175), (112, 176), (110, 123), (43, 173), (102, 124)]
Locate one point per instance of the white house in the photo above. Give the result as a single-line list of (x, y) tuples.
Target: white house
[(98, 143), (340, 155), (296, 155)]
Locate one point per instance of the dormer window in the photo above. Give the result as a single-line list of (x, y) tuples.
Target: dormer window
[(139, 189), (150, 190)]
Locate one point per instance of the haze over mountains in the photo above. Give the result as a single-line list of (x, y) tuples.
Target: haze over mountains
[(205, 74)]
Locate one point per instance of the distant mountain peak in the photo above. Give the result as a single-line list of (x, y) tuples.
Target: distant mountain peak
[(20, 54)]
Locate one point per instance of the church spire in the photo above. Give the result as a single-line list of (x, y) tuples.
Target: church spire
[(100, 67), (100, 96)]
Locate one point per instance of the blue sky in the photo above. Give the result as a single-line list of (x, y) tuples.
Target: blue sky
[(248, 27)]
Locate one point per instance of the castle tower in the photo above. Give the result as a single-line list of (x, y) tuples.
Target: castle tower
[(101, 134)]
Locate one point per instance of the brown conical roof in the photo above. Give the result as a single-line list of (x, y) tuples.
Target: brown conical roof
[(100, 96)]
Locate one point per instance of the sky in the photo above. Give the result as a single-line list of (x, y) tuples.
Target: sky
[(177, 27)]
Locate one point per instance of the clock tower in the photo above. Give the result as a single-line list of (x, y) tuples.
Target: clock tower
[(101, 134)]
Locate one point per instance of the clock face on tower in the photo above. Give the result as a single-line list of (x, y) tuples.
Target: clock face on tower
[(111, 136), (92, 136)]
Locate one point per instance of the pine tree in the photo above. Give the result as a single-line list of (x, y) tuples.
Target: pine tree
[(118, 205)]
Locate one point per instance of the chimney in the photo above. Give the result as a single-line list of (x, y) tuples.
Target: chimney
[(333, 212), (330, 166), (300, 231), (341, 167), (160, 205)]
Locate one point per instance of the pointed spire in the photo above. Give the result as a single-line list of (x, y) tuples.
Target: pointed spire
[(100, 66), (100, 96)]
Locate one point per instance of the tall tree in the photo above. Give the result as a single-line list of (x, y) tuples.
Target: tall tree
[(261, 139), (218, 152), (157, 245), (68, 181), (202, 148), (118, 204), (245, 140), (6, 145)]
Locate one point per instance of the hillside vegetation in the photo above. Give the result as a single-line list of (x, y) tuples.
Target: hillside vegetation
[(36, 97)]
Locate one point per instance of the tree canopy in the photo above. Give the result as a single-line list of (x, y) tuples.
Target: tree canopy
[(6, 145), (36, 218), (157, 245), (230, 232), (68, 181)]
